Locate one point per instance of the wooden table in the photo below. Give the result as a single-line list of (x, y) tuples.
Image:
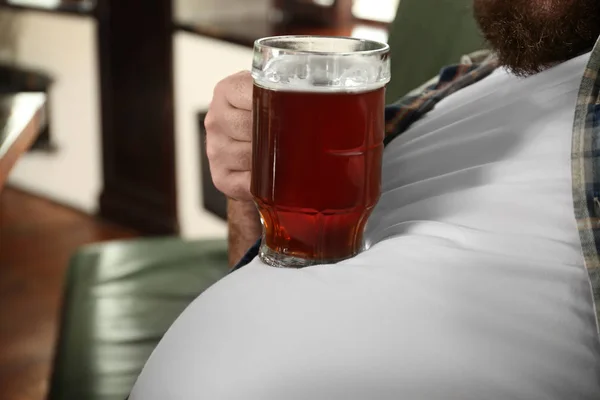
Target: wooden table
[(22, 116)]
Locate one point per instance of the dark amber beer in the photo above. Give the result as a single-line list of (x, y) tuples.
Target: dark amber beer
[(316, 170)]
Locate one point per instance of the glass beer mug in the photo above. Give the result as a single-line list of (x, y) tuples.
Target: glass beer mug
[(318, 127)]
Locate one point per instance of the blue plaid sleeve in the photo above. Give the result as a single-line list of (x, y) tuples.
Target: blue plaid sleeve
[(249, 256)]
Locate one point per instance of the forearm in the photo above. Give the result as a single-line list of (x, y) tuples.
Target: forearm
[(244, 228)]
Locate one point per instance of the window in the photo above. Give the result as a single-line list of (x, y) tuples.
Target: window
[(370, 33), (53, 4), (324, 3), (336, 12), (36, 3), (375, 10)]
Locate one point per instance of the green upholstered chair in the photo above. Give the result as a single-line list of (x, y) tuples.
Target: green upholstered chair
[(425, 36), (121, 297)]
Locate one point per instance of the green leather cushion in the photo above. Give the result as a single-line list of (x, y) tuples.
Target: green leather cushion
[(120, 299), (427, 35)]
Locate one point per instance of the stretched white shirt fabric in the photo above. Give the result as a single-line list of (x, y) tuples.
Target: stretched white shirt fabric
[(473, 286)]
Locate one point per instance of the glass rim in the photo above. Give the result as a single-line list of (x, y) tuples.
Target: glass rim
[(378, 47)]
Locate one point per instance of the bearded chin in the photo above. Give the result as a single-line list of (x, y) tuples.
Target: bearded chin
[(532, 35)]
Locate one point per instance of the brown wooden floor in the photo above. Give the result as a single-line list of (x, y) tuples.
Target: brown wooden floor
[(37, 238)]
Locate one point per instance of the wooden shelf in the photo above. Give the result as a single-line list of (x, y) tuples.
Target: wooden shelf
[(21, 119)]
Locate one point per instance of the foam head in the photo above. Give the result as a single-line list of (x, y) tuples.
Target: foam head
[(320, 64)]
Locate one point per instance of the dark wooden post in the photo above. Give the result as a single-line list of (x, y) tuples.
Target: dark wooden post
[(136, 80)]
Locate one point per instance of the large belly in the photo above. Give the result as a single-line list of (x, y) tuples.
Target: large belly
[(411, 318), (473, 286)]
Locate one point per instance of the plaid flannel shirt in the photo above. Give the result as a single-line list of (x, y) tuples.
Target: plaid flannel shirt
[(585, 171), (585, 149)]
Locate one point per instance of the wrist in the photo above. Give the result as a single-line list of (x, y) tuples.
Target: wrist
[(244, 227), (245, 205), (242, 212)]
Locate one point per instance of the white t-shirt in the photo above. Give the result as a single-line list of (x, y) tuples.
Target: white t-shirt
[(473, 287)]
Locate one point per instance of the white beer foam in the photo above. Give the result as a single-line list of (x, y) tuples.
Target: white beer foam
[(315, 73)]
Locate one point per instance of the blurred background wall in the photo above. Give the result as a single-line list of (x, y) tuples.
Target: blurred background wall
[(199, 64), (64, 47)]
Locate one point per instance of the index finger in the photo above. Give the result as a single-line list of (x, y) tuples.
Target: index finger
[(239, 91)]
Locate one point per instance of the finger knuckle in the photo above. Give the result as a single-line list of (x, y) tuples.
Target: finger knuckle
[(220, 87), (241, 127), (240, 90), (240, 85), (247, 161), (244, 158), (210, 122), (212, 151), (220, 181)]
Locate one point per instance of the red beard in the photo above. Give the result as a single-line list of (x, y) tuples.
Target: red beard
[(532, 35)]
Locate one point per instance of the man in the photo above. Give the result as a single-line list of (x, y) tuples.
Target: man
[(482, 251)]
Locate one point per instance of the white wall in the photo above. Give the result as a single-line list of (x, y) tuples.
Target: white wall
[(199, 64), (65, 47)]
